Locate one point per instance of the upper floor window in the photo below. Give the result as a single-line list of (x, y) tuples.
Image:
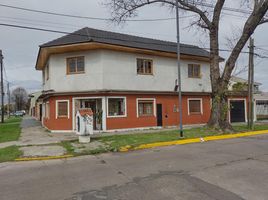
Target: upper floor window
[(43, 76), (47, 72), (144, 66), (76, 65), (194, 71)]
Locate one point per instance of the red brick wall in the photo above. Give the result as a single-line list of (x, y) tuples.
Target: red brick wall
[(170, 118), (63, 123)]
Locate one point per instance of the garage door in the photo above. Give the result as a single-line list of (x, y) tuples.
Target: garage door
[(237, 111)]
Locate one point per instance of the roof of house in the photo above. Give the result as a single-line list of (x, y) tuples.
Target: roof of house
[(242, 80), (86, 34)]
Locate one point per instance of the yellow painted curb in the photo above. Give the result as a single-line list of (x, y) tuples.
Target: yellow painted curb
[(194, 140), (43, 158)]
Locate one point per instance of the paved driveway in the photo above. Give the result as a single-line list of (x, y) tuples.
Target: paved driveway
[(220, 170), (32, 133)]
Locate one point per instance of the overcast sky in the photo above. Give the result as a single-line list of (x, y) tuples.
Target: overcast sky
[(20, 47)]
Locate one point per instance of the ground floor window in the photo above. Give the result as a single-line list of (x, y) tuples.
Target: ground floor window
[(145, 107), (47, 108), (116, 106), (195, 106), (62, 108)]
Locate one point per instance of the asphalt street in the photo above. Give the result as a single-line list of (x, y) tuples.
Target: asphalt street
[(220, 170)]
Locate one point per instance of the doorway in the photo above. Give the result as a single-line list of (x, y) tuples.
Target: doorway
[(159, 115), (40, 112), (96, 107), (237, 111)]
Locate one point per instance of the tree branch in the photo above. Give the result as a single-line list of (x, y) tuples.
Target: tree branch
[(252, 22)]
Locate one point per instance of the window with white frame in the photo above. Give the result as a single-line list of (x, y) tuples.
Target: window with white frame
[(195, 106), (62, 108), (47, 108), (145, 107), (116, 106)]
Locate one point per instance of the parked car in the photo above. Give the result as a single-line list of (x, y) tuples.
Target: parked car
[(19, 113)]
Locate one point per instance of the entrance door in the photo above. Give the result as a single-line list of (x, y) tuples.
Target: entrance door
[(159, 115), (237, 111), (92, 104), (40, 112)]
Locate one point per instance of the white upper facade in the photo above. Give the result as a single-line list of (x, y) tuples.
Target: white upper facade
[(117, 71)]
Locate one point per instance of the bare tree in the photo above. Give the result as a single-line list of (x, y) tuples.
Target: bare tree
[(209, 18), (20, 98)]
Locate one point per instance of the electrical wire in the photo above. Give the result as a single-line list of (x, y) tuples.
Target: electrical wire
[(130, 20), (119, 39), (85, 17)]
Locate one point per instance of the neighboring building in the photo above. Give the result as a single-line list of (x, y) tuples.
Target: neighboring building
[(261, 106), (128, 81), (35, 105), (237, 83)]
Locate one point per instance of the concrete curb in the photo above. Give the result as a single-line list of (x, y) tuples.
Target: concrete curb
[(190, 141), (43, 158)]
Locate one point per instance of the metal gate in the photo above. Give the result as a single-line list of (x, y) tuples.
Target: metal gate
[(262, 109), (237, 111)]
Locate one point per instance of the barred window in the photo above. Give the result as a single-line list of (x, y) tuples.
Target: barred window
[(145, 108), (62, 109)]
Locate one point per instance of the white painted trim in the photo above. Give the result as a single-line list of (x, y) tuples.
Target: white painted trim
[(245, 107), (201, 105), (145, 99), (103, 110), (43, 113), (133, 129), (116, 97), (68, 105), (47, 114), (61, 131)]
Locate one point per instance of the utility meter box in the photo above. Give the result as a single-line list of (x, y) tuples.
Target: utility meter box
[(84, 124)]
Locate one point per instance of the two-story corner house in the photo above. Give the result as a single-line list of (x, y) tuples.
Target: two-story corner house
[(128, 81)]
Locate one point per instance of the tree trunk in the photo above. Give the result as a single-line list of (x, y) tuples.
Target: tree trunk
[(219, 110)]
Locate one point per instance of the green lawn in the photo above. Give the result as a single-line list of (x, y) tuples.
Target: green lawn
[(9, 153), (10, 130), (117, 141)]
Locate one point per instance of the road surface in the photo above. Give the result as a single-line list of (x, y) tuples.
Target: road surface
[(223, 170)]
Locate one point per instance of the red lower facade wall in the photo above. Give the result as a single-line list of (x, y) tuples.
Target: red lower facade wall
[(169, 115), (170, 118)]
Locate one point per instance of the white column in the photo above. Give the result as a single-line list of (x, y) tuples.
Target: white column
[(104, 109)]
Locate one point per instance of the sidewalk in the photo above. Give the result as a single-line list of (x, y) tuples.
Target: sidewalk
[(36, 141), (32, 133)]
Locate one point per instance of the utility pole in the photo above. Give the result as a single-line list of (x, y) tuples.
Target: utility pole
[(8, 95), (179, 66), (2, 87), (251, 84)]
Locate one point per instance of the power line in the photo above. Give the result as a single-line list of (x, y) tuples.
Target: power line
[(130, 20), (79, 16), (74, 33)]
